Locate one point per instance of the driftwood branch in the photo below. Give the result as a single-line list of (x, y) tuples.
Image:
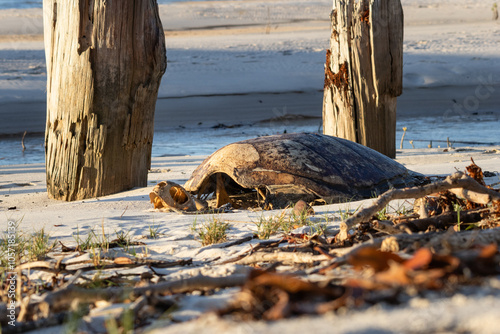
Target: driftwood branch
[(62, 298), (286, 257), (460, 181), (49, 266), (442, 221)]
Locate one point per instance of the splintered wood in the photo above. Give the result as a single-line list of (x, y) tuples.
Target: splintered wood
[(105, 60), (363, 73)]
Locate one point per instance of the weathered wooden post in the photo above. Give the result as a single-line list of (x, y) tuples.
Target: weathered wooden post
[(105, 60), (363, 72)]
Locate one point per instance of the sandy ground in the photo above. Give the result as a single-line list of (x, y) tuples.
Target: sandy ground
[(231, 62), (23, 198)]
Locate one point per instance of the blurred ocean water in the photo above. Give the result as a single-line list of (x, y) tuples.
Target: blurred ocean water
[(5, 4), (421, 132)]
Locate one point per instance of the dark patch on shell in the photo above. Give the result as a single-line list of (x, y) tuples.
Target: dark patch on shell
[(315, 165)]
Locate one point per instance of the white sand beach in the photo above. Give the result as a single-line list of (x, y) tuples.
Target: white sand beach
[(245, 63)]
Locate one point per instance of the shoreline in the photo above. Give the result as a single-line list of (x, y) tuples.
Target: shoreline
[(175, 111)]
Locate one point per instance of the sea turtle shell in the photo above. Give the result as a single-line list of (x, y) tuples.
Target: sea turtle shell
[(315, 165)]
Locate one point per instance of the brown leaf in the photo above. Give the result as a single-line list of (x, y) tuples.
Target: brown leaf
[(271, 296), (489, 251), (372, 257), (287, 283), (475, 172), (420, 259), (430, 278), (395, 275)]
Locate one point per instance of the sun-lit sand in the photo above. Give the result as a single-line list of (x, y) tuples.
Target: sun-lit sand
[(246, 61)]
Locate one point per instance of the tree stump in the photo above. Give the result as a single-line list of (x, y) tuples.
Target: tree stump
[(105, 60), (363, 73)]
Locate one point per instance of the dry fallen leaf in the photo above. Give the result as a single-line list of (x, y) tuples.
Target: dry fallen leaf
[(420, 259), (372, 257), (273, 296)]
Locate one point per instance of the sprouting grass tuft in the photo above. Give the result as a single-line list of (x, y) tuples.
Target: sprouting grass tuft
[(92, 240), (24, 247), (123, 239), (458, 208), (153, 231), (267, 226), (213, 231), (382, 214), (40, 245), (282, 223)]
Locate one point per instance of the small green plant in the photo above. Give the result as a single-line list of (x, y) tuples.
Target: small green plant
[(318, 228), (92, 241), (40, 245), (266, 227), (382, 214), (13, 243), (343, 214), (402, 210), (24, 247), (122, 237), (153, 231), (457, 208), (213, 231), (346, 212), (300, 219)]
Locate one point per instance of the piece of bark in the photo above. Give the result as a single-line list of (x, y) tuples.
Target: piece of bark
[(457, 180)]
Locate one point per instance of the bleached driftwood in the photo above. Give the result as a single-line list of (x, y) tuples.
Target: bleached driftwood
[(286, 257), (105, 60), (62, 298), (453, 182), (363, 72)]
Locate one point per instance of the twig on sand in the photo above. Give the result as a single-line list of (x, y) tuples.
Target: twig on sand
[(62, 298), (403, 137), (458, 183), (286, 257), (49, 266)]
